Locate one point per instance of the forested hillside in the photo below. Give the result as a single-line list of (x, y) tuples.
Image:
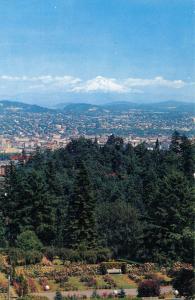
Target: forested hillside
[(135, 202)]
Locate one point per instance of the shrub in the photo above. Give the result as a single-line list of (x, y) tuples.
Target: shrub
[(103, 254), (149, 288), (32, 285), (3, 283), (46, 262), (90, 256), (184, 282), (16, 256), (90, 281), (60, 278), (67, 286), (162, 279), (21, 285), (124, 268), (43, 282), (19, 257), (58, 296), (122, 294), (57, 261), (50, 252), (103, 269), (95, 295), (3, 262), (110, 281), (29, 241), (33, 257)]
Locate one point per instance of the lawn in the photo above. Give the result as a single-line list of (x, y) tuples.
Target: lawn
[(74, 283), (123, 281)]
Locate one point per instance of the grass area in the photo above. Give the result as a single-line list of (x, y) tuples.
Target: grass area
[(123, 281), (76, 283), (101, 284)]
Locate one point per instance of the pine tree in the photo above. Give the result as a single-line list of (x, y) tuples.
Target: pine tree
[(171, 227), (81, 229), (188, 154), (2, 232), (42, 208), (175, 142)]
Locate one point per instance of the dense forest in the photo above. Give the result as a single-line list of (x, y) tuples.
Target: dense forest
[(130, 201)]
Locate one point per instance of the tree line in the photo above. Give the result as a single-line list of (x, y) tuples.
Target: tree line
[(136, 202)]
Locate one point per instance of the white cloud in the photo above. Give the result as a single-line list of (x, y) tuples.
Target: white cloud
[(76, 85), (157, 81)]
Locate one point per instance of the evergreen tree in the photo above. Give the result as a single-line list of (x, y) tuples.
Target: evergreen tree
[(81, 228), (188, 153), (171, 221), (175, 142), (2, 232)]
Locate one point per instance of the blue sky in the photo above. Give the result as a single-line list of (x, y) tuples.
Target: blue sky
[(96, 50)]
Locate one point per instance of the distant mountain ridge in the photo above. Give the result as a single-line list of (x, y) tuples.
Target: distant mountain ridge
[(15, 106), (80, 108)]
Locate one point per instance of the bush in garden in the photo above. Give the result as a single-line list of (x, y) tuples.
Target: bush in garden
[(60, 278), (84, 278), (57, 261), (124, 268), (32, 285), (69, 254), (103, 269), (177, 267), (110, 281), (3, 283), (16, 256), (89, 280), (103, 254), (122, 294), (149, 288), (184, 282), (3, 262), (43, 282), (95, 295), (92, 282), (50, 252), (162, 279), (21, 285), (58, 296), (67, 286), (90, 256), (46, 262), (29, 241), (33, 257)]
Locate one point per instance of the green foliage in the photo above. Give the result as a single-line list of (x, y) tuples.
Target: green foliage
[(121, 293), (80, 225), (124, 268), (58, 296), (28, 240), (18, 256), (90, 256), (89, 202), (184, 282), (103, 269)]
